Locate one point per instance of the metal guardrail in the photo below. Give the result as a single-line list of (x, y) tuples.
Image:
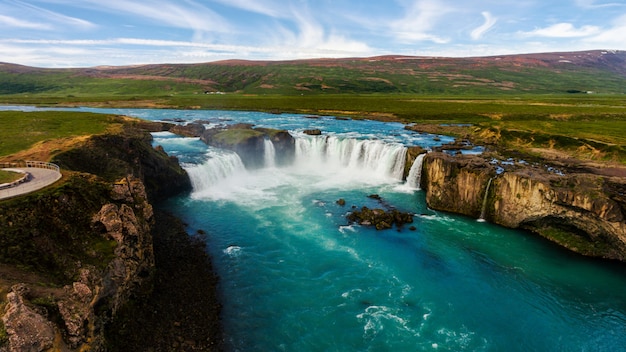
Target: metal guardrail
[(37, 164), (27, 175)]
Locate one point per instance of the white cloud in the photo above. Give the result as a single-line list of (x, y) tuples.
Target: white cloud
[(51, 17), (18, 23), (185, 14), (563, 30), (309, 37), (419, 20), (257, 6), (611, 38), (591, 4), (490, 21)]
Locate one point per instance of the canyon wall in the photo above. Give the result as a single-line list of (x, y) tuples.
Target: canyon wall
[(581, 211), (74, 254)]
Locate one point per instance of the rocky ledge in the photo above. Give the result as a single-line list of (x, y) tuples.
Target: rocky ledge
[(249, 143), (77, 256), (581, 210)]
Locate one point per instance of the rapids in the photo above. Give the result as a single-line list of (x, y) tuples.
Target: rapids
[(295, 276)]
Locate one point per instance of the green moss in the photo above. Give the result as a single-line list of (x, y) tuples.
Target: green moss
[(576, 242), (4, 337), (235, 136), (50, 231)]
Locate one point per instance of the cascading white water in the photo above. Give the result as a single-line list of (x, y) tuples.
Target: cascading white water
[(269, 153), (321, 160), (218, 166), (414, 178), (483, 210), (370, 156)]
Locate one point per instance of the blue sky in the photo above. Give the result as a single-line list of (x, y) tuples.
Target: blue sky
[(81, 33)]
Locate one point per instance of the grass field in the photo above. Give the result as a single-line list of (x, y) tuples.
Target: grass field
[(21, 130), (8, 176), (588, 126)]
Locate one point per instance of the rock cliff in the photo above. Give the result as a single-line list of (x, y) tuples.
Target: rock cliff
[(77, 253), (581, 211)]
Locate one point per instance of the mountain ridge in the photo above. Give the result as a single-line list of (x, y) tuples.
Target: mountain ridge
[(602, 71)]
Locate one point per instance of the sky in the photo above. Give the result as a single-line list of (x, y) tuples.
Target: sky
[(86, 33)]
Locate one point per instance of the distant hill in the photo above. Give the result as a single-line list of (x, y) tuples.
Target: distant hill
[(566, 72)]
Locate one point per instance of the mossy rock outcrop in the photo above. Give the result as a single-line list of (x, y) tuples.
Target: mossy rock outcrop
[(249, 143)]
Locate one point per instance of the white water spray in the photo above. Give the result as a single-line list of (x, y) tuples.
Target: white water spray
[(414, 178), (365, 157), (320, 161), (219, 166), (269, 153)]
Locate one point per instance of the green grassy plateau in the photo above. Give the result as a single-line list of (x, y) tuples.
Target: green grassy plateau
[(21, 130), (571, 103)]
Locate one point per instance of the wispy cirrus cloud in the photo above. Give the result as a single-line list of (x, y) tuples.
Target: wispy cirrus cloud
[(612, 37), (7, 21), (490, 21), (302, 32), (419, 20), (264, 7), (594, 4), (38, 18), (563, 30), (186, 14)]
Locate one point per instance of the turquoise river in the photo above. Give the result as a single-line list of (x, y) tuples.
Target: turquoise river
[(295, 276)]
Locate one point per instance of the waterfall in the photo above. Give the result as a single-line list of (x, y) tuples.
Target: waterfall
[(269, 153), (374, 157), (414, 178), (219, 166), (483, 210)]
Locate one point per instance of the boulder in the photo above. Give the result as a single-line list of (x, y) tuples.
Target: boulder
[(189, 130), (379, 218), (27, 330)]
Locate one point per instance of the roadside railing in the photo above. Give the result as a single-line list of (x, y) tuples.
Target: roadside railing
[(15, 166), (37, 164)]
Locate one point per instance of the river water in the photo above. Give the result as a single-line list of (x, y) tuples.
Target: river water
[(295, 276)]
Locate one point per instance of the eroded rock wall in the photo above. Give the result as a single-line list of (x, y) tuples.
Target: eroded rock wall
[(580, 211), (89, 237)]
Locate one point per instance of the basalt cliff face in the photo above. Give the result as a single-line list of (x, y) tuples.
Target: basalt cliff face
[(581, 211), (75, 254)]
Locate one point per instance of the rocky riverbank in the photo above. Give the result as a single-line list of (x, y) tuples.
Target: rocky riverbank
[(582, 210), (85, 261)]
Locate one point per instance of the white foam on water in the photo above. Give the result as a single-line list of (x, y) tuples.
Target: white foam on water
[(232, 251)]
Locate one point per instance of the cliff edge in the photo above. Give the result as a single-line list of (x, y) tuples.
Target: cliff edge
[(77, 256), (582, 211)]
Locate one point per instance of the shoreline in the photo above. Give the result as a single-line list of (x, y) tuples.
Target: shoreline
[(172, 317)]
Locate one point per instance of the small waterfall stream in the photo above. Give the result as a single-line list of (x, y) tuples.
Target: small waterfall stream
[(483, 210), (269, 153), (414, 178)]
